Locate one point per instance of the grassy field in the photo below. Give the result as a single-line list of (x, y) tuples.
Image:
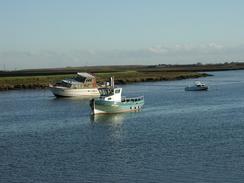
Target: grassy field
[(41, 78), (121, 77), (29, 82)]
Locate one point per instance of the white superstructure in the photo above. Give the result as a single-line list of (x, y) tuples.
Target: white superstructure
[(198, 86), (82, 85)]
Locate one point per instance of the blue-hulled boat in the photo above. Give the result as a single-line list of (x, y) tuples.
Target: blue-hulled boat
[(111, 102)]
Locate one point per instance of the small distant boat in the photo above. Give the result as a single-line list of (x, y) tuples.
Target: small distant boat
[(198, 86), (111, 102), (83, 85)]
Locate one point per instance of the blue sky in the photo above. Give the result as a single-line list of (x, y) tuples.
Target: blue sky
[(59, 33)]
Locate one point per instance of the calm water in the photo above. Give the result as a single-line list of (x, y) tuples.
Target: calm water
[(178, 137)]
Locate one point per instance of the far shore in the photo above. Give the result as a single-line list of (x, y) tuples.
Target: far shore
[(41, 78)]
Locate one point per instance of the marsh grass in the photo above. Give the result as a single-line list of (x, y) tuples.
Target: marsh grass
[(121, 77)]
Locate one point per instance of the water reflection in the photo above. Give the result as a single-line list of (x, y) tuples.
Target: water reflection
[(110, 126), (178, 136), (75, 98), (112, 119)]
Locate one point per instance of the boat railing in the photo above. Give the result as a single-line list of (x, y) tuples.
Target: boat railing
[(132, 99)]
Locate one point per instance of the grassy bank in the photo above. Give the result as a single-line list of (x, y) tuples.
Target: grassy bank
[(121, 77)]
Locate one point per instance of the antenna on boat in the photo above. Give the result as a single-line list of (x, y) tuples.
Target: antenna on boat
[(112, 82)]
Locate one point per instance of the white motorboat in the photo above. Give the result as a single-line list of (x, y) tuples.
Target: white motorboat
[(198, 86), (83, 85)]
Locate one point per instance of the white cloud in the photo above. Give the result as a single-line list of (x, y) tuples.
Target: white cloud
[(168, 54), (215, 46), (186, 48), (158, 49)]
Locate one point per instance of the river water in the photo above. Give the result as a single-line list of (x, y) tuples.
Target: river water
[(179, 136)]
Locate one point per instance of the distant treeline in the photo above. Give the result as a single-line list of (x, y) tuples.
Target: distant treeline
[(199, 67)]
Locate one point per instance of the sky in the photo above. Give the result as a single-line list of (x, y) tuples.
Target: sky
[(62, 33)]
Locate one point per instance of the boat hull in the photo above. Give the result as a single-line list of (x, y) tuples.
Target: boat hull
[(193, 88), (111, 107), (66, 92)]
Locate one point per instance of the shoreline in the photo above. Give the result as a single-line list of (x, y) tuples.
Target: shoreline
[(123, 74), (126, 77)]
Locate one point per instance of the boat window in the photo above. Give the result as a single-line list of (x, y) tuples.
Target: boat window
[(117, 91), (68, 85), (88, 80), (109, 98), (80, 79)]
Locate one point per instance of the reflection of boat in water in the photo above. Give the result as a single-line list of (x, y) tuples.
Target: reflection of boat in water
[(199, 86), (114, 119), (111, 101), (82, 85)]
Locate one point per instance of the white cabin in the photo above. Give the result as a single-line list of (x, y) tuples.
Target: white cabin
[(199, 84), (114, 95)]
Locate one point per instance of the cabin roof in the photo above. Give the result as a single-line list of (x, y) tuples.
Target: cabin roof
[(198, 83), (86, 75)]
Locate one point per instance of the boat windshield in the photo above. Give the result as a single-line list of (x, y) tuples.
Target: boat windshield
[(63, 84), (80, 79)]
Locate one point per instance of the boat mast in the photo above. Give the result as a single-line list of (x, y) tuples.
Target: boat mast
[(112, 82)]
